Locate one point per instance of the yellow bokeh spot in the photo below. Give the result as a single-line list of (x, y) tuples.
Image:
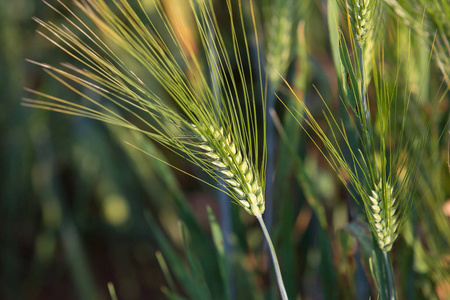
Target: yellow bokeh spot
[(116, 210)]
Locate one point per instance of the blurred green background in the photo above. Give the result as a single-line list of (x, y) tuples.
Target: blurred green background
[(79, 208), (71, 195)]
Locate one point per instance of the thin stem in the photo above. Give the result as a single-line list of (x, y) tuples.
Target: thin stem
[(365, 106), (365, 115), (274, 259), (390, 277), (363, 86), (270, 138)]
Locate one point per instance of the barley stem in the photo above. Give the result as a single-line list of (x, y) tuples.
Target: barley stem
[(270, 138), (363, 82), (390, 278), (274, 258), (364, 104)]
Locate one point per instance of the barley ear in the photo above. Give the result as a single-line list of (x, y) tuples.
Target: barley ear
[(382, 215), (242, 181), (362, 16), (279, 22)]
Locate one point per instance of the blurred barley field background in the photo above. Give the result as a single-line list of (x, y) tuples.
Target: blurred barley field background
[(80, 208)]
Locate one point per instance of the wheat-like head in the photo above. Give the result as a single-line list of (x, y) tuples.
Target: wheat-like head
[(382, 215), (232, 163), (379, 175), (363, 16), (121, 53), (279, 20)]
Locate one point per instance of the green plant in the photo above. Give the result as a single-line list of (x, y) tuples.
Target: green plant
[(220, 133), (379, 173), (189, 83)]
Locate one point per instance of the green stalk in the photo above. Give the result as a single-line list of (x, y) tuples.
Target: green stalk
[(274, 258), (270, 167), (365, 106), (363, 84), (390, 277)]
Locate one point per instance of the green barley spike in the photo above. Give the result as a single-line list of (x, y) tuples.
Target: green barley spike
[(190, 102), (235, 168), (383, 218), (279, 22), (363, 15)]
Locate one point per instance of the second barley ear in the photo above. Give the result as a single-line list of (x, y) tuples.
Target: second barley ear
[(383, 215)]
